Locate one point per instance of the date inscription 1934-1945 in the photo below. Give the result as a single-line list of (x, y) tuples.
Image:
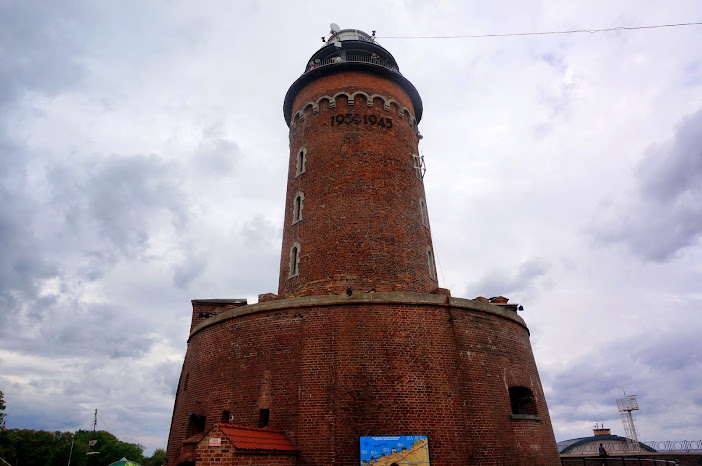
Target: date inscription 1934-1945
[(355, 118)]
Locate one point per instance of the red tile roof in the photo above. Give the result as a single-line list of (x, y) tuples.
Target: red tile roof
[(252, 438)]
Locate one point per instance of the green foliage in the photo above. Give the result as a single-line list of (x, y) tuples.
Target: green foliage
[(157, 459), (23, 447), (2, 407)]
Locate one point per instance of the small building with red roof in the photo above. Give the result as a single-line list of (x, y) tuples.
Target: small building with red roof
[(234, 445)]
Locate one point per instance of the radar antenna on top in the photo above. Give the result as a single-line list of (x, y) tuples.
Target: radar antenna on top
[(334, 28)]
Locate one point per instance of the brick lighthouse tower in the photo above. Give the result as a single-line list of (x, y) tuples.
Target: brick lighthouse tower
[(361, 358), (356, 218)]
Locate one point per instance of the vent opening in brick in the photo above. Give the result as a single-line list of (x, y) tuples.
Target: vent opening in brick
[(263, 416)]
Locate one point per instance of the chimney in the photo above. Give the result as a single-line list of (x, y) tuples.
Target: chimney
[(601, 431)]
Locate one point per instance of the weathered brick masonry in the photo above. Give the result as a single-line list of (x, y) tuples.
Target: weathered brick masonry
[(360, 340), (361, 224), (334, 368)]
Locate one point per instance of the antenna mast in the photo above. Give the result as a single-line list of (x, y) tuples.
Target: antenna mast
[(626, 405), (91, 443)]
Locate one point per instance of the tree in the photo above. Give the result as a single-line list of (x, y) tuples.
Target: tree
[(2, 407), (157, 459), (24, 447), (110, 447)]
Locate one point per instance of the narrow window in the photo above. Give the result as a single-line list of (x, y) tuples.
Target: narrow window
[(297, 207), (294, 260), (185, 385), (225, 416), (432, 267), (263, 416), (522, 401), (423, 213), (301, 159)]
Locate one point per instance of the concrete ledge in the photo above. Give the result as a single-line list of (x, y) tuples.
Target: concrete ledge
[(219, 301), (525, 417), (413, 299)]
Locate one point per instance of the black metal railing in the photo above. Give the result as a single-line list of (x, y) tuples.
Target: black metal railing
[(683, 446), (617, 461), (352, 59), (686, 446)]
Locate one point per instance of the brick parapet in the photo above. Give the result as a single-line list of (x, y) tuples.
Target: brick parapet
[(203, 309), (421, 299)]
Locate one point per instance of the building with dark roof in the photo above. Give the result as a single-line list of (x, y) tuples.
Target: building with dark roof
[(613, 444)]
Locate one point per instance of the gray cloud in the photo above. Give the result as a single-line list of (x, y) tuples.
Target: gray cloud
[(71, 328), (38, 45), (216, 154), (191, 267), (502, 282), (126, 195), (665, 214), (261, 233), (106, 206), (72, 226), (164, 377), (646, 365)]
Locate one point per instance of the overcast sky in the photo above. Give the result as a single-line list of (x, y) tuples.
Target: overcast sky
[(143, 158)]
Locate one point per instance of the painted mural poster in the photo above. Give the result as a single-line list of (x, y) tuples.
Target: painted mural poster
[(395, 450)]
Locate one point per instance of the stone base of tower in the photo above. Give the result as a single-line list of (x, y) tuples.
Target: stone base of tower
[(327, 370)]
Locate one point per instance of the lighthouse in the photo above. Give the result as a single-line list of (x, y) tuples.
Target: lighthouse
[(360, 357), (356, 215)]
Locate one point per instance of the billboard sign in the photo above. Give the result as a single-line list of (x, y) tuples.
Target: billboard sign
[(395, 450)]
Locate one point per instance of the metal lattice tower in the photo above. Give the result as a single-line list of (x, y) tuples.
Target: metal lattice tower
[(626, 405)]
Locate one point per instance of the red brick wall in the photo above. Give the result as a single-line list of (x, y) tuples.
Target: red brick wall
[(264, 460), (361, 224), (362, 368), (219, 455)]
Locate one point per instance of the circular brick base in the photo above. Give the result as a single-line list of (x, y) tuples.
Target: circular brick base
[(334, 368)]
